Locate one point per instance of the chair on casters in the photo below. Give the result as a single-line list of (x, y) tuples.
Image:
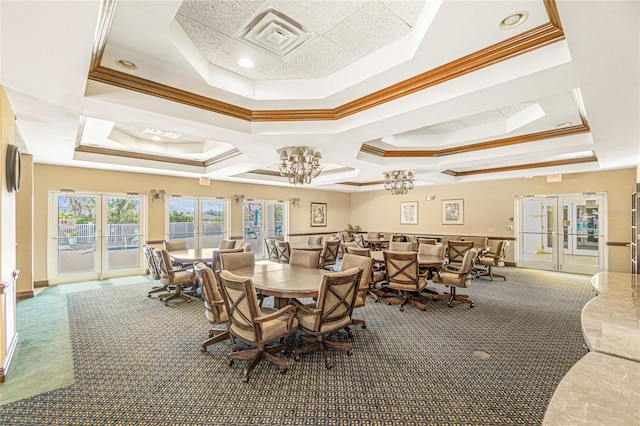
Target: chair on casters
[(308, 258), (154, 271), (177, 245), (404, 278), (272, 252), (314, 240), (378, 274), (456, 277), (227, 244), (215, 310), (179, 278), (489, 260), (330, 314), (284, 251), (400, 246), (255, 326), (241, 259), (366, 264), (329, 254), (456, 251)]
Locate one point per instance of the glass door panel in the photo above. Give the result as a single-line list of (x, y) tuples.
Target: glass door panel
[(262, 219), (123, 251), (583, 240), (536, 233), (182, 213), (212, 223)]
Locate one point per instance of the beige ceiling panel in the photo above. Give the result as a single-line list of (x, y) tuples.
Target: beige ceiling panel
[(225, 16), (319, 16)]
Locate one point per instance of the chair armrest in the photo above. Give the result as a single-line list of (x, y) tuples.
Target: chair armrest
[(289, 310), (186, 268), (305, 308)]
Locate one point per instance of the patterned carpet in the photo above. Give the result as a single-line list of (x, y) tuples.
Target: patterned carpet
[(139, 362)]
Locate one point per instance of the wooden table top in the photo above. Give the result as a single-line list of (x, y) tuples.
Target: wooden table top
[(283, 280), (192, 255), (424, 260)]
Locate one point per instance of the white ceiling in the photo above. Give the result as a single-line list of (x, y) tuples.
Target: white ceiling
[(377, 86)]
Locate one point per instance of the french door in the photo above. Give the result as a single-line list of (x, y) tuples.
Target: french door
[(564, 233), (201, 222), (263, 219), (94, 236)]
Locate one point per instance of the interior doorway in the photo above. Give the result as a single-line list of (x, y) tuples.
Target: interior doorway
[(562, 233), (263, 219)]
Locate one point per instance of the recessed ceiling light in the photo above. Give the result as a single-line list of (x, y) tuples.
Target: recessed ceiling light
[(128, 65), (245, 63), (565, 124), (513, 21)]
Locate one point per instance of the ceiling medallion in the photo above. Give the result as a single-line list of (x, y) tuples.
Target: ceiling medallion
[(398, 182)]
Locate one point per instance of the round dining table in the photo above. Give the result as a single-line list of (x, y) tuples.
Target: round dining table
[(283, 281), (424, 260)]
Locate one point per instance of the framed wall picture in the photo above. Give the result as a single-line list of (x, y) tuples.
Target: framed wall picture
[(318, 214), (409, 213), (453, 212)]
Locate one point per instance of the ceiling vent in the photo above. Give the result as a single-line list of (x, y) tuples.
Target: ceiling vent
[(275, 33)]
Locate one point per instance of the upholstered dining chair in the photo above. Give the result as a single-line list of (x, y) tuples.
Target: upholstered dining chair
[(272, 252), (399, 246), (331, 313), (431, 250), (215, 257), (230, 261), (359, 239), (456, 277), (404, 278), (177, 278), (314, 240), (308, 258), (253, 325), (154, 270), (456, 251), (284, 251), (366, 264), (378, 274), (177, 245), (227, 244), (329, 254), (489, 260), (422, 240), (344, 245), (246, 247), (215, 310)]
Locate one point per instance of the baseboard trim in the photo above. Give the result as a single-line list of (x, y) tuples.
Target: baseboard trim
[(40, 284), (509, 263), (24, 295), (7, 359)]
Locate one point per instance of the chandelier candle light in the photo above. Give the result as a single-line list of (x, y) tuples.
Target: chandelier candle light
[(300, 164), (399, 182)]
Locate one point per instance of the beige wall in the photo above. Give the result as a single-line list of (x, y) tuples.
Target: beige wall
[(489, 205), (8, 331), (24, 228), (47, 177)]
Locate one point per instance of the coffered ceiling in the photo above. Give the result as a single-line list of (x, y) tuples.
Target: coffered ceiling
[(440, 88)]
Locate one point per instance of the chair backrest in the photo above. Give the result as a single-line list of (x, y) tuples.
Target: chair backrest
[(431, 249), (373, 235), (211, 296), (466, 267), (398, 238), (154, 272), (308, 258), (329, 254), (431, 241), (359, 239), (359, 251), (230, 261), (387, 236), (457, 249), (398, 246), (284, 251), (176, 245), (501, 252), (241, 302), (366, 264), (227, 244), (314, 240), (164, 265), (336, 299), (402, 270), (247, 247), (215, 257), (272, 252)]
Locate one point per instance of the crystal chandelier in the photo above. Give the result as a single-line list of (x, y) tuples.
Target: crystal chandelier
[(398, 182), (300, 164)]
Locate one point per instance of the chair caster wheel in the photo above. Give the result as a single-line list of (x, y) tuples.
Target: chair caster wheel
[(388, 303), (210, 335), (349, 353), (229, 362), (283, 370), (245, 379), (423, 309), (450, 305), (364, 326), (203, 349), (505, 279), (148, 295), (401, 309), (166, 303), (375, 300), (472, 305), (329, 366), (296, 357)]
